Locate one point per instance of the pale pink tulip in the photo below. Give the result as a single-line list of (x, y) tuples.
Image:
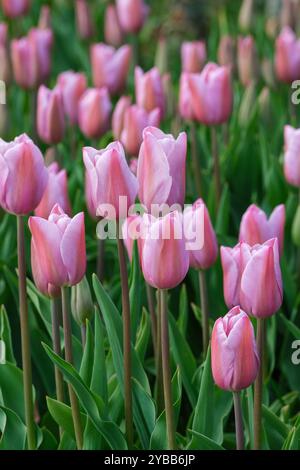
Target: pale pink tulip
[(72, 85), (15, 8), (132, 14), (84, 22), (112, 30), (50, 115), (247, 60), (292, 155), (94, 110), (185, 98), (193, 56), (149, 90), (287, 56)]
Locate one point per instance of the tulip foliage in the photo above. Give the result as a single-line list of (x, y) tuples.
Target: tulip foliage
[(150, 226)]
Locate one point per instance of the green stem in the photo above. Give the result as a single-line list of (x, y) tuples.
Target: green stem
[(151, 306), (25, 338), (159, 386), (217, 172), (239, 431), (258, 386), (126, 340), (195, 159), (55, 305), (165, 350), (69, 358), (204, 311)]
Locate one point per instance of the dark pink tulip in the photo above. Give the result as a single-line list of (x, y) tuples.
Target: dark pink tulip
[(110, 66), (186, 110), (15, 8), (94, 110), (72, 85), (200, 235), (247, 60), (149, 90), (58, 254), (211, 92), (132, 14), (112, 30), (23, 175), (226, 51), (50, 115), (193, 56), (287, 56), (165, 261), (234, 356), (56, 192), (256, 228), (84, 22), (292, 155), (161, 168), (113, 185), (5, 72)]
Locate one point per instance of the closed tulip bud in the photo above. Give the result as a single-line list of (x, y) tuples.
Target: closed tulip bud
[(110, 66), (132, 14), (23, 175), (247, 60), (149, 90), (185, 104), (292, 155), (42, 41), (84, 22), (246, 15), (5, 72), (50, 115), (161, 168), (15, 8), (287, 56), (89, 198), (82, 305), (56, 192), (234, 356), (111, 180), (248, 105), (256, 228), (112, 30), (296, 228), (45, 17), (94, 110), (161, 56), (211, 94), (58, 254), (72, 86), (165, 260), (226, 51), (193, 56), (203, 245)]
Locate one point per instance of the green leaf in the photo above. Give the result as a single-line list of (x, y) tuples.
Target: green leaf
[(292, 441), (143, 335), (86, 367), (49, 442), (144, 411), (135, 282), (5, 335), (292, 328), (183, 311), (223, 217), (13, 430), (99, 376), (62, 414), (11, 386), (276, 430), (201, 442)]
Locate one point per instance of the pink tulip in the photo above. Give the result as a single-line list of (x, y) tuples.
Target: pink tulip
[(45, 17), (133, 165), (234, 356), (112, 30), (149, 90), (292, 155), (226, 51), (201, 236), (23, 175), (211, 92), (72, 85), (132, 14), (193, 56), (58, 254), (161, 168), (110, 67), (252, 277), (84, 22), (15, 8), (185, 98), (94, 110), (56, 193), (113, 186), (247, 60), (287, 56), (165, 261), (50, 115), (256, 228), (4, 55), (89, 198), (130, 232)]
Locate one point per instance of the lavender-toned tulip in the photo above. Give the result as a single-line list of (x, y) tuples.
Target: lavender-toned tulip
[(94, 110), (84, 22), (72, 85), (193, 56), (112, 29), (132, 14), (50, 115), (292, 155), (287, 56), (149, 90), (14, 8)]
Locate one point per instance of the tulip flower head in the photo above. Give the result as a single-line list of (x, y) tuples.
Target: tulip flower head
[(226, 51), (50, 115), (193, 56), (72, 86), (84, 22), (132, 14), (185, 104), (234, 356), (94, 110), (292, 155), (112, 29), (15, 8), (149, 90), (247, 60), (287, 56)]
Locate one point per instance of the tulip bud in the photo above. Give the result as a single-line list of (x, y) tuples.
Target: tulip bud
[(234, 356), (94, 110), (112, 30), (296, 227), (246, 15), (89, 198), (287, 56), (247, 60), (72, 86), (226, 52), (5, 72), (149, 90), (292, 155), (82, 305), (185, 98), (193, 56), (15, 8), (23, 175), (50, 115), (84, 22), (132, 14), (248, 105), (161, 56), (45, 17)]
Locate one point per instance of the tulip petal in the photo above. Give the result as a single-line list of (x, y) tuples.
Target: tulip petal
[(72, 249)]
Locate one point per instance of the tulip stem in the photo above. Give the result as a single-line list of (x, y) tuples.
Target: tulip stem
[(166, 369), (151, 306), (126, 340), (258, 386), (25, 338), (159, 392), (100, 259), (204, 311), (216, 163), (239, 431), (195, 160), (56, 347), (83, 335), (69, 358), (33, 98)]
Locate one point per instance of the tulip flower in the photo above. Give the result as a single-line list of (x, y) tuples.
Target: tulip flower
[(94, 110), (82, 302), (56, 193), (149, 90), (50, 115), (132, 14), (131, 231), (292, 155), (287, 56), (23, 175), (256, 228), (45, 17), (226, 51), (185, 98), (161, 168), (234, 356), (5, 72), (72, 86), (110, 66), (89, 198), (84, 22), (15, 8), (128, 123), (193, 56), (247, 60), (133, 165), (112, 182), (112, 29)]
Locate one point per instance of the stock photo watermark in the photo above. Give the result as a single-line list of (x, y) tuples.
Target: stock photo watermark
[(2, 92), (295, 358)]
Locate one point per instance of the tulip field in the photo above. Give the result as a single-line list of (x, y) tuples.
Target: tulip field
[(150, 225)]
